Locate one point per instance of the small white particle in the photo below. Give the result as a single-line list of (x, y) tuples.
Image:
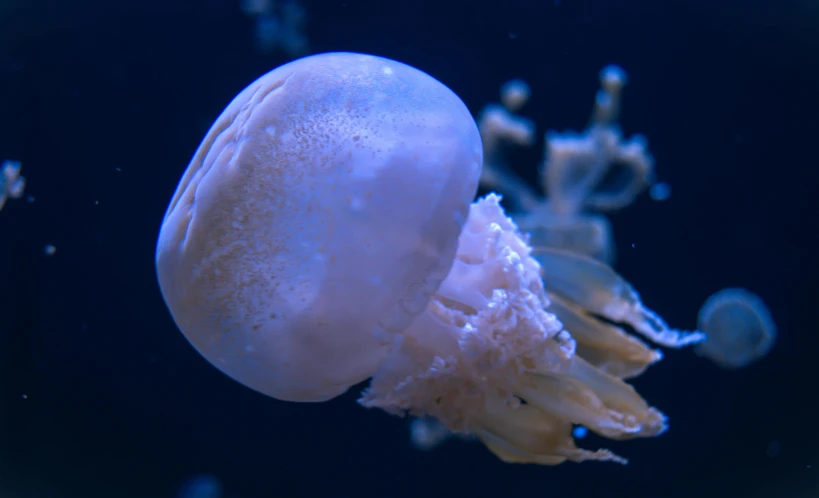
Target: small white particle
[(50, 250), (387, 70)]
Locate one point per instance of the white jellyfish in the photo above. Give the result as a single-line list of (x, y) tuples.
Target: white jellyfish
[(324, 233), (738, 327)]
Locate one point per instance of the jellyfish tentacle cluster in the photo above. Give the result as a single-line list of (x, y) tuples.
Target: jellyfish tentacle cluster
[(486, 357)]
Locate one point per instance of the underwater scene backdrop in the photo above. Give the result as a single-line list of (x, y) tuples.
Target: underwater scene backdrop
[(359, 248)]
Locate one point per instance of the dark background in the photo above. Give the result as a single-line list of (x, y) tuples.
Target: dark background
[(101, 396)]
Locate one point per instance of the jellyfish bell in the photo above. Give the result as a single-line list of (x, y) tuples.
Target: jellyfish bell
[(738, 326), (316, 219)]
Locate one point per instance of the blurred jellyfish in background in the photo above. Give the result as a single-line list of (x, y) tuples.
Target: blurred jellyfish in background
[(582, 174), (501, 129), (279, 25), (11, 183), (739, 328), (326, 232)]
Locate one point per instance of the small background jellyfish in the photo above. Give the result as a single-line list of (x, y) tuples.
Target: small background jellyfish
[(738, 327), (11, 183), (597, 170)]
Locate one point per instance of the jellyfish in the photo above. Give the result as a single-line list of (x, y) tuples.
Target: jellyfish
[(738, 328), (426, 433), (11, 183), (325, 232)]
